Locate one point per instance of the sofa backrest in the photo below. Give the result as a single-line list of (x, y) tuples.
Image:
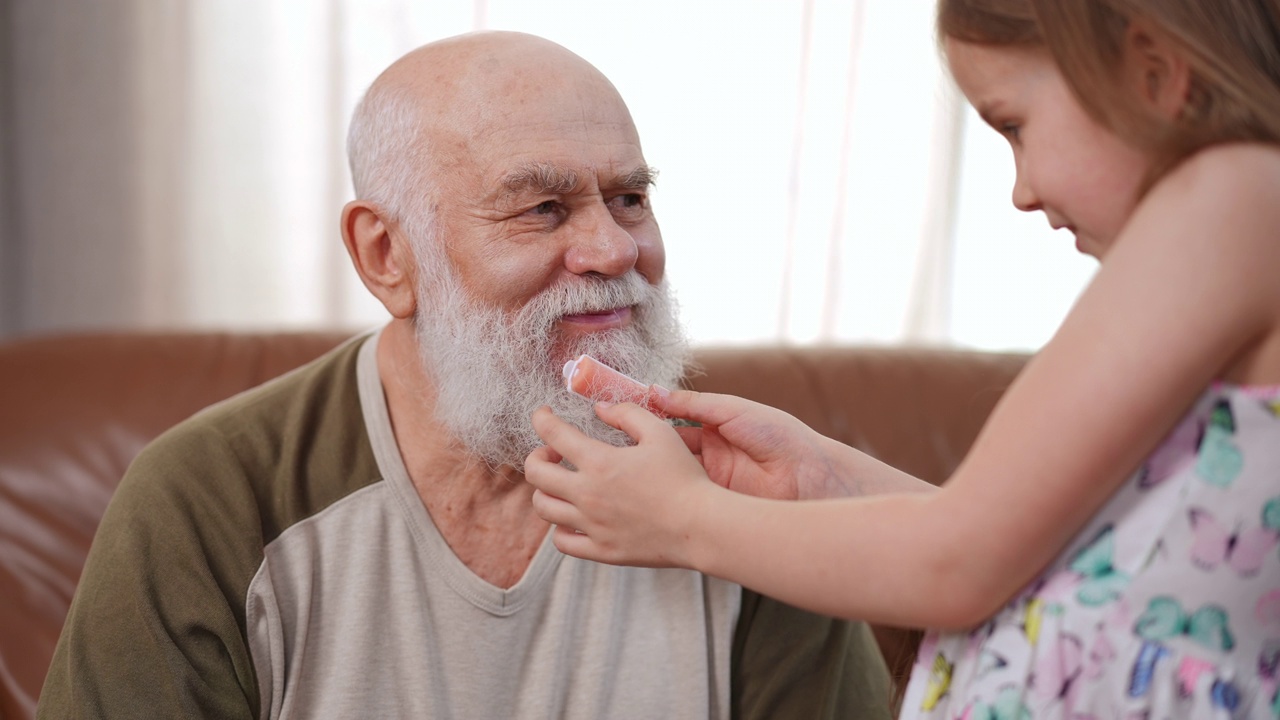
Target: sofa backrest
[(75, 410)]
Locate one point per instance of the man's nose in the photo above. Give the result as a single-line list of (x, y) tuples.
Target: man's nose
[(601, 246)]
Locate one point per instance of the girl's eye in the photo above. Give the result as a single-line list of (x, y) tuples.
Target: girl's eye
[(1010, 130)]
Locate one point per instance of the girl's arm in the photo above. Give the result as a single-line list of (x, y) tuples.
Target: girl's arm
[(1186, 293), (758, 450)]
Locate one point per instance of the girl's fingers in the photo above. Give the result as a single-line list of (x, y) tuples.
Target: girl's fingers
[(692, 437), (542, 469), (705, 408), (552, 481), (555, 511), (566, 538), (571, 542), (563, 438), (632, 419), (544, 454)]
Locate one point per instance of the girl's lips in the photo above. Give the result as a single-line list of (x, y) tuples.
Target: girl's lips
[(617, 317)]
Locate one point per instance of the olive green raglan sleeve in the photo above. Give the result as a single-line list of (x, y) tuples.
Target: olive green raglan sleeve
[(788, 663), (155, 628)]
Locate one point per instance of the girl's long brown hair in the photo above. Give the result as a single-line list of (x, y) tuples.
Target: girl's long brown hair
[(1231, 46)]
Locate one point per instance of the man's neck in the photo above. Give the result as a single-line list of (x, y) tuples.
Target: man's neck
[(484, 514)]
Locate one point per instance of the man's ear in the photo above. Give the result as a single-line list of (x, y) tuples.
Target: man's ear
[(381, 256), (1158, 68)]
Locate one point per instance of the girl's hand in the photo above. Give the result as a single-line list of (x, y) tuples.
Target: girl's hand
[(633, 505), (758, 450)]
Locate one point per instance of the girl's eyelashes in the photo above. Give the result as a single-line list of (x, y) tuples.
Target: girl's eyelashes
[(1010, 130)]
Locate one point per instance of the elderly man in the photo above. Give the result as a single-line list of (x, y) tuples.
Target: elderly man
[(355, 540)]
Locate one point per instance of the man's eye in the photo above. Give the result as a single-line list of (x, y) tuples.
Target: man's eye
[(546, 207), (630, 201)]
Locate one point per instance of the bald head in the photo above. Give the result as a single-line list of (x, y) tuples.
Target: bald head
[(427, 114)]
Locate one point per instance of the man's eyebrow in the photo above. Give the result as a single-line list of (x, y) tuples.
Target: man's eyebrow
[(539, 178), (638, 179)]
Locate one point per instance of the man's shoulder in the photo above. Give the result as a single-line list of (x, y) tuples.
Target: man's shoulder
[(791, 663), (319, 388), (185, 534), (290, 446)]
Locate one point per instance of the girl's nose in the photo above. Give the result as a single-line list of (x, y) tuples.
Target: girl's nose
[(1024, 198)]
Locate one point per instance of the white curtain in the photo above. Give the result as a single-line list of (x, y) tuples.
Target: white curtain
[(180, 163)]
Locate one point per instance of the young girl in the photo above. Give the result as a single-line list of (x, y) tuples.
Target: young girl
[(1110, 547)]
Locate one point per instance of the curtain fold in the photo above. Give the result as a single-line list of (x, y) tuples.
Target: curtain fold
[(71, 158), (10, 278), (929, 307)]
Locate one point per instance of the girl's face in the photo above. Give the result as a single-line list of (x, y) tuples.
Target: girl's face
[(1081, 175)]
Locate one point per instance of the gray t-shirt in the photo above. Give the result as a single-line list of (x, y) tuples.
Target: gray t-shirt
[(270, 558)]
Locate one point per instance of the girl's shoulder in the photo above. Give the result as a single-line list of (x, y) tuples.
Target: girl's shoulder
[(1223, 196), (1222, 207), (1208, 236), (1227, 170)]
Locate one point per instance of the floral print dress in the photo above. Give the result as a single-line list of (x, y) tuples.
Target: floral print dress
[(1166, 605)]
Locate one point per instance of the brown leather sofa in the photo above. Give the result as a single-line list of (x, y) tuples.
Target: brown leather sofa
[(75, 409)]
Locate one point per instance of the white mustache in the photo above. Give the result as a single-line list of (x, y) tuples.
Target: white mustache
[(589, 295)]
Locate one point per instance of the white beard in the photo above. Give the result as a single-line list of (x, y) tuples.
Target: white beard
[(492, 368)]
